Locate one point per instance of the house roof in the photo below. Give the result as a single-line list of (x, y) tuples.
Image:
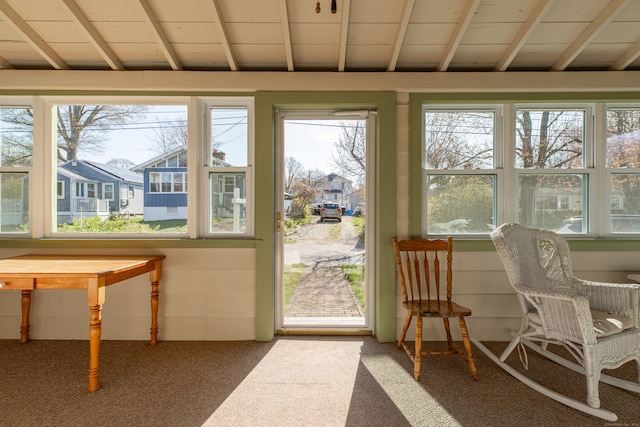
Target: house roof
[(111, 171), (289, 35)]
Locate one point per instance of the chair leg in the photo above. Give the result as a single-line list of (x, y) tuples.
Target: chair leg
[(418, 355), (407, 322), (467, 346), (447, 328)]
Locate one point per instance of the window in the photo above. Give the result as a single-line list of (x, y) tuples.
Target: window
[(537, 165), (107, 155), (127, 168), (549, 150), (623, 168), (60, 190), (459, 178), (16, 157), (107, 191), (229, 158)]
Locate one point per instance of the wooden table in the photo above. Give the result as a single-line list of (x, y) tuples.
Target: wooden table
[(91, 272)]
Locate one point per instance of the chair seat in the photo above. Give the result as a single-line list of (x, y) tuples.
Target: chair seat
[(436, 309), (604, 324)]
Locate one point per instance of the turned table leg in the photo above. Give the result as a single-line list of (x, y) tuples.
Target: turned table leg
[(154, 313), (94, 347), (26, 307)]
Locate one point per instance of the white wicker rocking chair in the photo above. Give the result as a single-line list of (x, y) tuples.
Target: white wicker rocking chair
[(598, 323)]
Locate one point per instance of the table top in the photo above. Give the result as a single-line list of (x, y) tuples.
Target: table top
[(90, 265)]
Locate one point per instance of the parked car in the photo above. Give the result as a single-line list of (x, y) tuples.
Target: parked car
[(330, 210), (620, 223)]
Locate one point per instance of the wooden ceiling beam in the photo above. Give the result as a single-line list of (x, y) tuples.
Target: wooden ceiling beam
[(161, 37), (539, 10), (224, 35), (94, 37), (624, 60), (463, 23), (286, 34), (589, 33), (31, 37), (400, 33), (344, 34)]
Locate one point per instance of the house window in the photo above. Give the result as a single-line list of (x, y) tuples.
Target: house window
[(459, 176), (80, 189), (107, 191), (167, 182), (91, 190), (60, 189), (229, 158)]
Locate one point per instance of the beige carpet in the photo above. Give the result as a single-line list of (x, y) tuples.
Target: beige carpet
[(292, 381)]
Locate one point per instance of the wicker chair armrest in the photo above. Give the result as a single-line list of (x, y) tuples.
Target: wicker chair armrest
[(619, 298), (565, 316)]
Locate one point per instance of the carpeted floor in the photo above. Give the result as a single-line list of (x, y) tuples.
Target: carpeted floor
[(292, 381)]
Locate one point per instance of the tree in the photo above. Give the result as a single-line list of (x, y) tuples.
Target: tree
[(80, 127), (16, 138), (121, 163), (349, 155), (170, 134), (293, 171), (84, 127)]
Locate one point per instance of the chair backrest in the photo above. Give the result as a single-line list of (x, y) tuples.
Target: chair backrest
[(418, 265), (533, 258)]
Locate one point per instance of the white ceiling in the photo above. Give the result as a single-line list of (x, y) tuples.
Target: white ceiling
[(288, 35)]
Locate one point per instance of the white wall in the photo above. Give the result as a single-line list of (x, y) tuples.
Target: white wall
[(205, 294)]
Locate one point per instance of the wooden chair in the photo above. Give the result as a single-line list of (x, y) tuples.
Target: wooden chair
[(418, 266)]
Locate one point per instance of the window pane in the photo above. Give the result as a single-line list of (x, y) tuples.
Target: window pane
[(228, 202), (105, 156), (459, 140), (16, 136), (553, 201), (229, 136), (623, 138), (625, 203), (460, 203), (548, 139), (14, 202)]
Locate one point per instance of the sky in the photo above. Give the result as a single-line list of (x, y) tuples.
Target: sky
[(311, 142)]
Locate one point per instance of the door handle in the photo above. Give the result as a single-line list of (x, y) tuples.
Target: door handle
[(278, 221)]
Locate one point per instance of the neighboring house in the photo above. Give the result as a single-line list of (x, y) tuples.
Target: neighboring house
[(335, 188), (165, 185), (87, 189)]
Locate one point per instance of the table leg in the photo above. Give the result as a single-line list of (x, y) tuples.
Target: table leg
[(154, 312), (26, 307), (95, 330)]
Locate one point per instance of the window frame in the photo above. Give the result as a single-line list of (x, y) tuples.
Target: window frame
[(595, 172), (206, 105), (43, 181), (495, 171), (30, 171)]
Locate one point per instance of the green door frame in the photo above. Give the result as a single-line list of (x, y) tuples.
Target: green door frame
[(267, 103)]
